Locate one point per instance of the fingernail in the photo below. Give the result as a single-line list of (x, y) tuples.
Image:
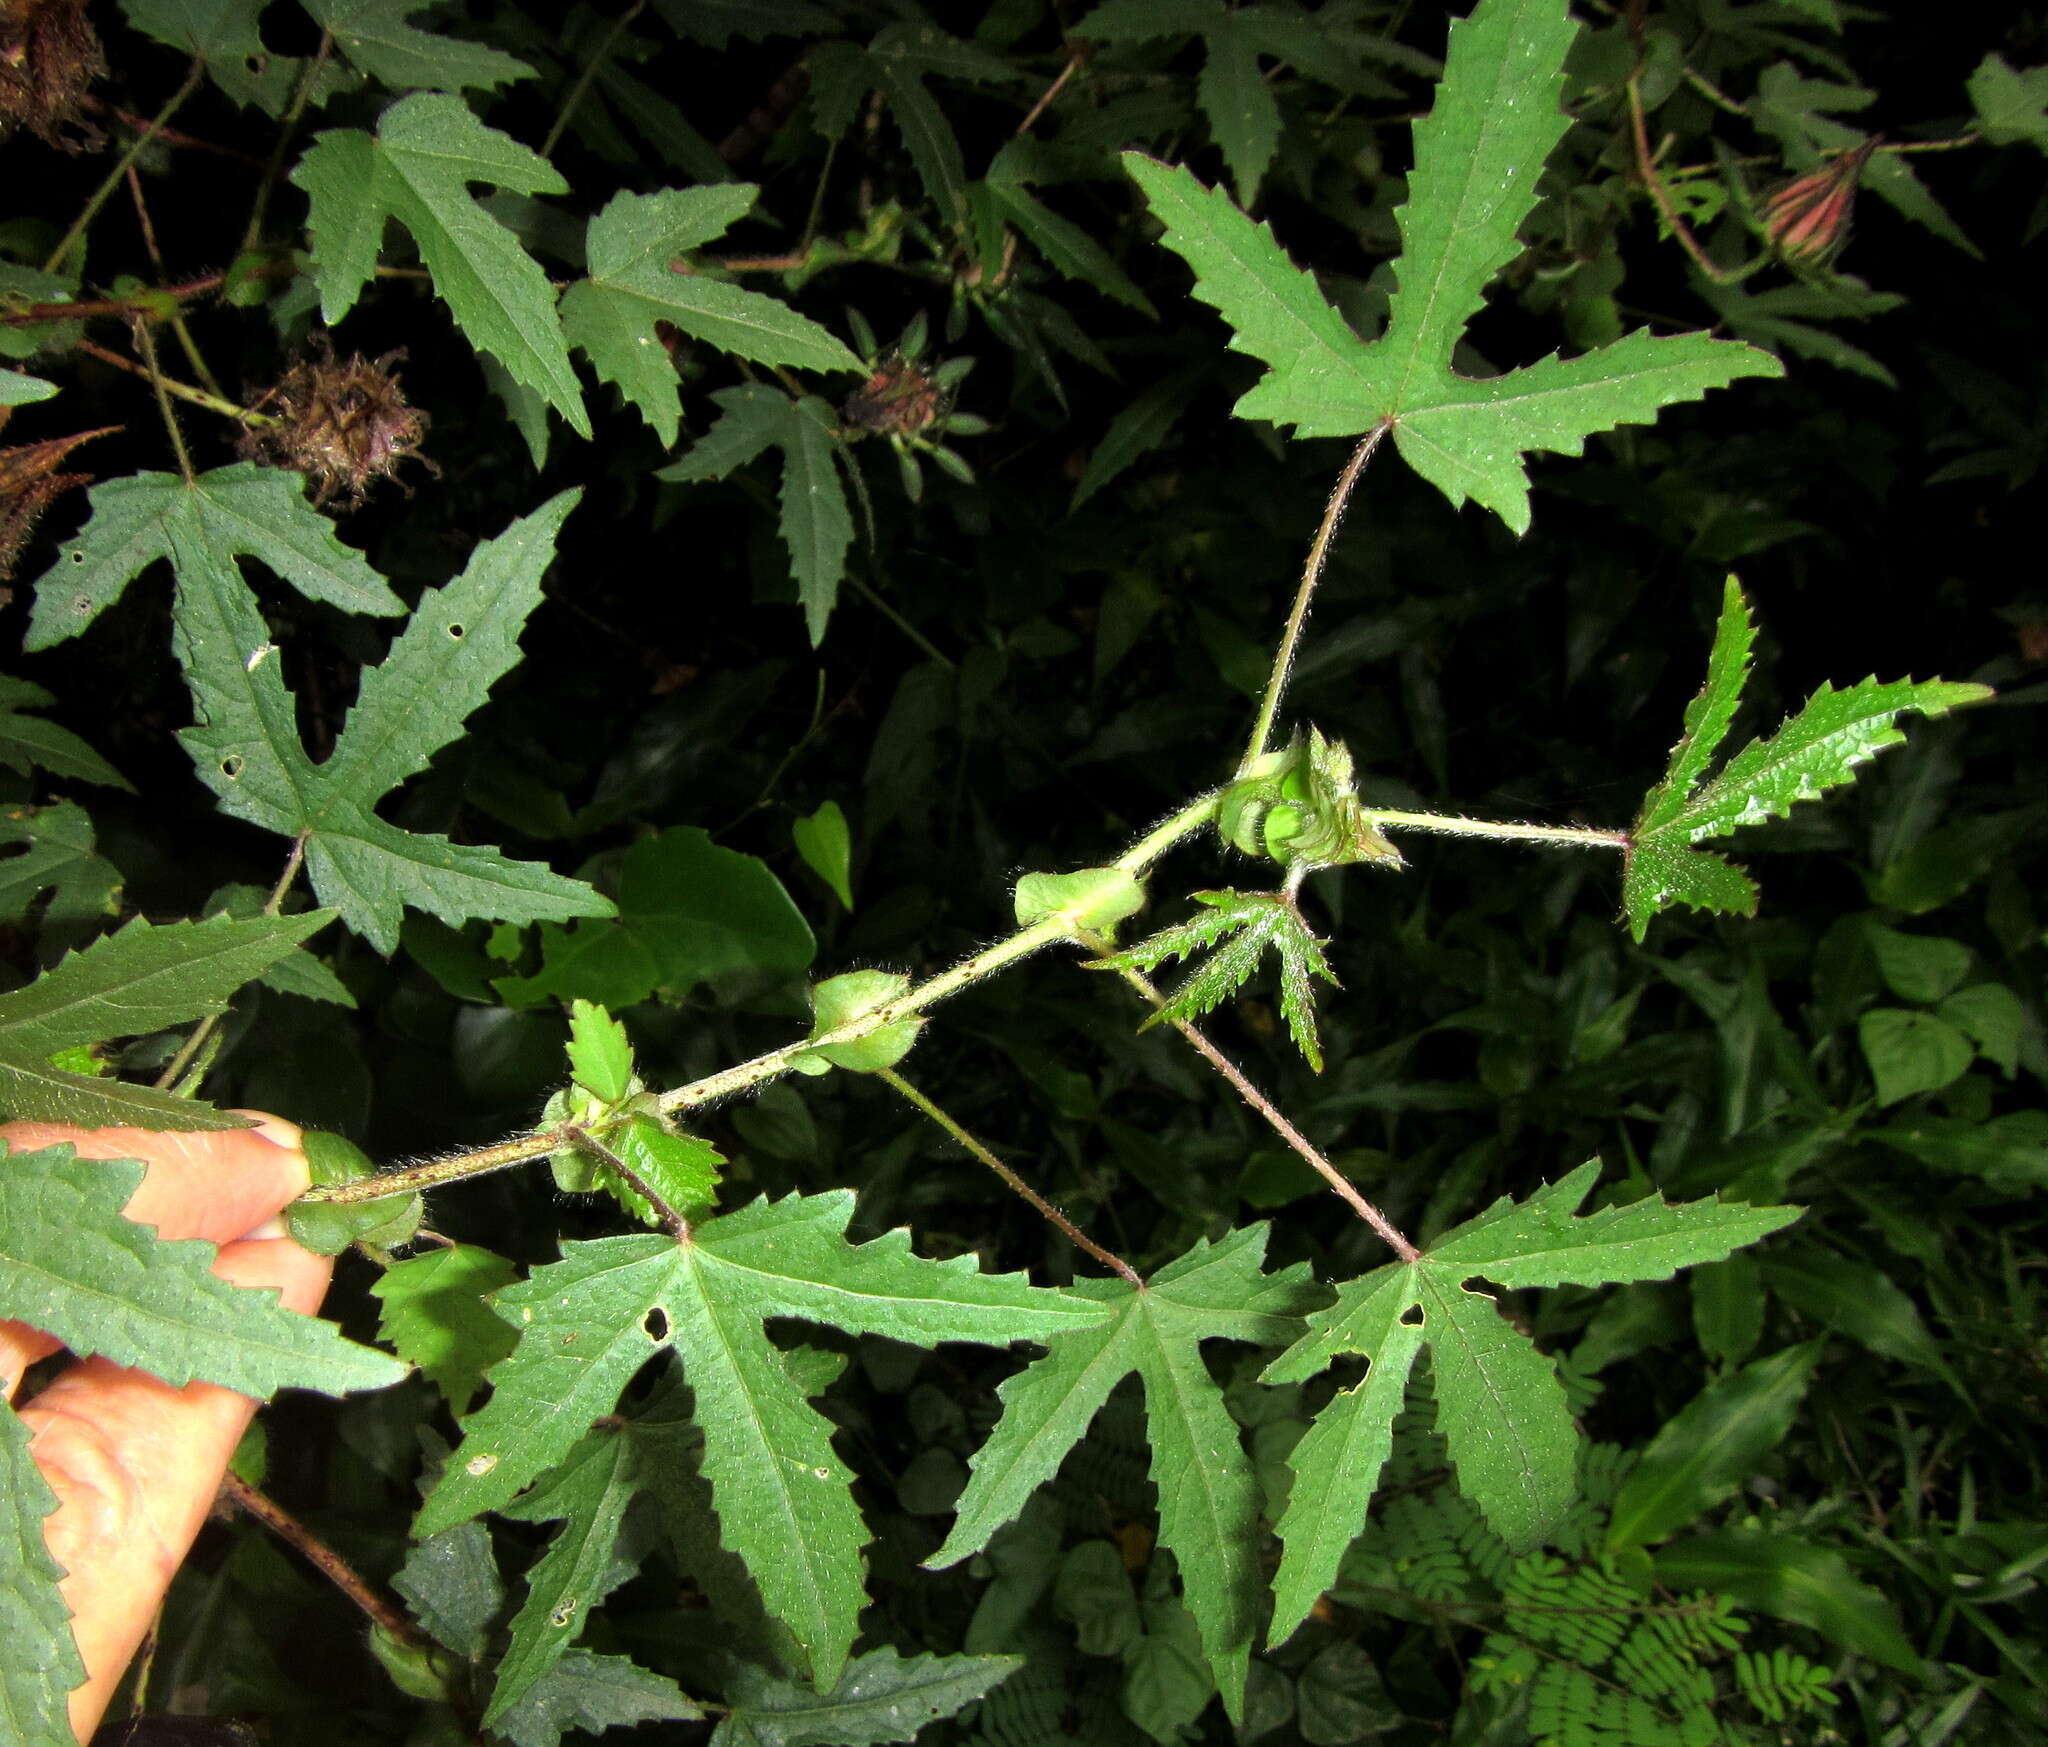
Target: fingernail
[(274, 1226)]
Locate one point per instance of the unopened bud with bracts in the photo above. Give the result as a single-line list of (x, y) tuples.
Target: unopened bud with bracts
[(1807, 220)]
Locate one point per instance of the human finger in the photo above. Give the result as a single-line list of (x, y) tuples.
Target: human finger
[(214, 1183), (135, 1465)]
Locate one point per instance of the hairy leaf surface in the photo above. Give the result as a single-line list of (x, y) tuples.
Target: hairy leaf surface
[(71, 1264), (141, 979), (1818, 749), (1208, 1498), (243, 511), (633, 250), (1499, 1404), (882, 1697), (456, 645), (1477, 158), (589, 1322), (418, 168)]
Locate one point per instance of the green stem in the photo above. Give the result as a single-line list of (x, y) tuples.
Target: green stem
[(1311, 574), (1453, 826), (145, 343), (777, 1062), (119, 172), (1073, 1233), (172, 386), (576, 91)]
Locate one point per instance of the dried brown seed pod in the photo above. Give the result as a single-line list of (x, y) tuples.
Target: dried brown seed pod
[(901, 399), (343, 422), (49, 54)]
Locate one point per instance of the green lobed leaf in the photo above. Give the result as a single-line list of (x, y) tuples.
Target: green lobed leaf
[(72, 1265), (632, 252), (680, 1168), (229, 513), (816, 525), (1240, 928), (437, 1316), (418, 169), (246, 745), (143, 978), (881, 1697), (42, 1664), (591, 1692), (1478, 155), (1208, 1496), (600, 1057), (1337, 1464), (2012, 107), (1243, 114), (451, 1583), (377, 40), (223, 36), (588, 1494), (59, 855), (590, 1321), (1818, 749), (1500, 1407)]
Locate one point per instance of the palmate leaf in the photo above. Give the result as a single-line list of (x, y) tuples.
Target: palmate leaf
[(816, 525), (1818, 749), (590, 1321), (441, 667), (243, 511), (139, 980), (1245, 924), (612, 315), (436, 1319), (375, 38), (72, 1265), (588, 1494), (1208, 1496), (1500, 1406), (59, 855), (418, 169), (1477, 158), (593, 1693), (223, 36)]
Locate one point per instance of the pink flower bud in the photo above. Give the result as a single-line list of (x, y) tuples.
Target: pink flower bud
[(1807, 220)]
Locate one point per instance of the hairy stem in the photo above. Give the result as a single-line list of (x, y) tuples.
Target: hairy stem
[(177, 390), (676, 1225), (1345, 1188), (1311, 574), (745, 1076), (1072, 1232), (1451, 825), (323, 1558), (1646, 169), (119, 173), (145, 343)]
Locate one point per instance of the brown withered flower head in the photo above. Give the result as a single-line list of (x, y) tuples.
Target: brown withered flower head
[(900, 399), (342, 422), (1807, 219), (49, 54)]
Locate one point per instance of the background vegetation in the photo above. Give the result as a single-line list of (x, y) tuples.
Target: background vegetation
[(997, 600)]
